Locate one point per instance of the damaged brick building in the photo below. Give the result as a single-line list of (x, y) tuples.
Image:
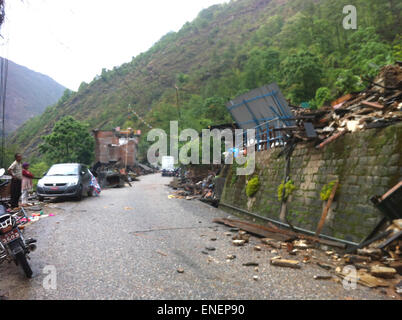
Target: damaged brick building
[(117, 147)]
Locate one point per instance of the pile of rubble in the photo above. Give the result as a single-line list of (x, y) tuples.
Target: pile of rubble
[(192, 186), (379, 105), (380, 263), (113, 175), (376, 265)]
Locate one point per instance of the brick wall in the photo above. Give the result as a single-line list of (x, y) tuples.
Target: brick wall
[(366, 163), (107, 148)]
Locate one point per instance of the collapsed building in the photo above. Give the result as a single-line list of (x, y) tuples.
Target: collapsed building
[(118, 147), (115, 155)]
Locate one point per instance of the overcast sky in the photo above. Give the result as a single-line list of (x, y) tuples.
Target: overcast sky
[(72, 40)]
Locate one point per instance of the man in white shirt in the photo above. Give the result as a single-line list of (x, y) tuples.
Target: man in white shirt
[(15, 170)]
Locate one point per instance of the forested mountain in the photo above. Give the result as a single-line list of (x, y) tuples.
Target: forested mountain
[(28, 94), (229, 49)]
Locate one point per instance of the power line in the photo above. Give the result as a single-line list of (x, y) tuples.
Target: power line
[(139, 117)]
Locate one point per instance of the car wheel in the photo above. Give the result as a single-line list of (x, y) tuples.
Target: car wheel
[(79, 193), (90, 192)]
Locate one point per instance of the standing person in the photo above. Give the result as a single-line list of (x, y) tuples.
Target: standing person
[(26, 185), (15, 170)]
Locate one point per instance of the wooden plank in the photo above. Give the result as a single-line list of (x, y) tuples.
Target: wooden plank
[(341, 99), (373, 104), (326, 209), (274, 232)]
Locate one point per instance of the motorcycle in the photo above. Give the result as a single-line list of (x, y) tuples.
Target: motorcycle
[(13, 246)]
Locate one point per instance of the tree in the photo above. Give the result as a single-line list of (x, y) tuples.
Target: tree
[(302, 73), (348, 82), (67, 94), (215, 109), (261, 67), (322, 96), (70, 141)]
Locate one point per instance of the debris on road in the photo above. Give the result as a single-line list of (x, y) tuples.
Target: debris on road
[(239, 243), (382, 272), (286, 263), (162, 253), (273, 232), (301, 244), (352, 258), (272, 243), (362, 278), (198, 185), (322, 277), (241, 236), (398, 287), (374, 267), (251, 264)]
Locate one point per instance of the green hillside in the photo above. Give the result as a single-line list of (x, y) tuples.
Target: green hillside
[(227, 50)]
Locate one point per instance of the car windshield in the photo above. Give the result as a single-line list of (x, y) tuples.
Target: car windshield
[(63, 170)]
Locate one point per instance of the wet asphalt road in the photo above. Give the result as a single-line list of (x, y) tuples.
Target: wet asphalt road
[(129, 243)]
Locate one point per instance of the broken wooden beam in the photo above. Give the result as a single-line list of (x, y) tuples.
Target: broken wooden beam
[(330, 139), (326, 209), (341, 99), (372, 104)]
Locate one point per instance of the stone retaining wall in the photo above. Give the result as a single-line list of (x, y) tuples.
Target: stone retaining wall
[(366, 163)]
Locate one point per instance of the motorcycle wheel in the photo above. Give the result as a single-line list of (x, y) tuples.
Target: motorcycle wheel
[(22, 261)]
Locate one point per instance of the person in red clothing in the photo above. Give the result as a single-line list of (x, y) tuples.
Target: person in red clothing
[(26, 185)]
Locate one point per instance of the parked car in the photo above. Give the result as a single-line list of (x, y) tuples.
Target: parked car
[(167, 172), (65, 180)]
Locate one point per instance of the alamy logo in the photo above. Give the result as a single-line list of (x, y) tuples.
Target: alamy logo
[(50, 281), (239, 145), (351, 277), (350, 21)]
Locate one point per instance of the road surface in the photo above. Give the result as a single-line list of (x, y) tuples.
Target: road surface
[(129, 243)]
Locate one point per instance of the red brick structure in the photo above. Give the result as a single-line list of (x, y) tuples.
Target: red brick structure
[(116, 146)]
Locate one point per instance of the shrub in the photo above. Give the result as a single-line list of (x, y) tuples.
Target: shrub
[(289, 187), (252, 186), (326, 190)]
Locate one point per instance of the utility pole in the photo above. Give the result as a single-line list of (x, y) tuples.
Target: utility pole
[(3, 90), (177, 101)]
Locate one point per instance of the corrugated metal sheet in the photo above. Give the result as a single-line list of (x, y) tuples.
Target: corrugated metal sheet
[(260, 105)]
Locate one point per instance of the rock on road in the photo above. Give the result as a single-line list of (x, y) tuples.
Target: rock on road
[(129, 243)]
